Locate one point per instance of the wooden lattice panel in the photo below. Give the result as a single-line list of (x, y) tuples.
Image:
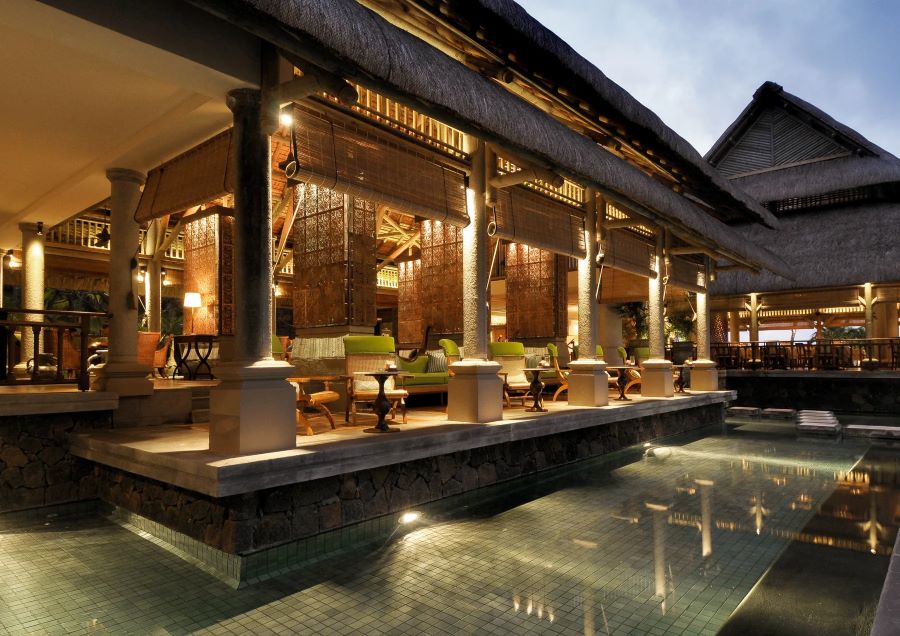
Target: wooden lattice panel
[(410, 325), (201, 274), (719, 327), (334, 260), (535, 293), (441, 273)]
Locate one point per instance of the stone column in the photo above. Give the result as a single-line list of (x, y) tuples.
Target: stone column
[(610, 327), (252, 408), (656, 372), (32, 284), (588, 380), (475, 391), (704, 376), (122, 374), (153, 277), (734, 326)]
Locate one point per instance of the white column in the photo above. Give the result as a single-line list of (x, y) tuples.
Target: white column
[(656, 373), (588, 380), (122, 374), (704, 376), (475, 391), (153, 278), (32, 284), (754, 317), (867, 303), (734, 326), (252, 409)]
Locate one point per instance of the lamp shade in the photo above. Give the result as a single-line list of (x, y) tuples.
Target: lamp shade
[(192, 299)]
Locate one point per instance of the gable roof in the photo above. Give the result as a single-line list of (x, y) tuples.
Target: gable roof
[(781, 146)]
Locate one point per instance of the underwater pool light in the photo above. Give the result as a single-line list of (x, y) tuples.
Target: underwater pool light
[(409, 517)]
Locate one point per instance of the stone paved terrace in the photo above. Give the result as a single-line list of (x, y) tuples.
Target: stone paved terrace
[(179, 455)]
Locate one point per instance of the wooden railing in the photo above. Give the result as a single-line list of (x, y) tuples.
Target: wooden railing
[(83, 232), (864, 354), (45, 368)]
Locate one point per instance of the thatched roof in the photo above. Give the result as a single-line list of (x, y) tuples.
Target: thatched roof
[(833, 248), (820, 177), (354, 42), (863, 164), (620, 102)]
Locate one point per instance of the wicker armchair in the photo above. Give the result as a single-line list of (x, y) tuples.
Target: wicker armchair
[(511, 356), (370, 353)]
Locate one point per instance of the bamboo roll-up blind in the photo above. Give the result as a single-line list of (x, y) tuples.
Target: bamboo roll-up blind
[(628, 253), (532, 219), (201, 174), (356, 158), (684, 274)]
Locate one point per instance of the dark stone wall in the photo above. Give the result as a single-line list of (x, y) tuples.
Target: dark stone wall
[(854, 395), (246, 523), (36, 468)]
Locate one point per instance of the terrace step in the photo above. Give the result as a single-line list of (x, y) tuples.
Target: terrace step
[(867, 430), (199, 405), (818, 422), (779, 414), (743, 411)]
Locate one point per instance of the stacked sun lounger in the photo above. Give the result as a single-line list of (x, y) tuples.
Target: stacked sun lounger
[(818, 422)]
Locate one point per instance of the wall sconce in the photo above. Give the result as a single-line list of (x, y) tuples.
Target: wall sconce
[(142, 274), (14, 263), (40, 228), (162, 276)]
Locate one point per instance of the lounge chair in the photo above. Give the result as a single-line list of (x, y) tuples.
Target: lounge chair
[(370, 353), (511, 356), (562, 376), (634, 376)]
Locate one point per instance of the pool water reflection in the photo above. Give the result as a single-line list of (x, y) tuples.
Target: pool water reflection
[(672, 542)]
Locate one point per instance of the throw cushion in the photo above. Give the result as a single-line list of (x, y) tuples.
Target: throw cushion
[(418, 365), (437, 362)]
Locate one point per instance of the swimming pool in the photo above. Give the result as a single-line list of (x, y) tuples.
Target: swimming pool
[(678, 540)]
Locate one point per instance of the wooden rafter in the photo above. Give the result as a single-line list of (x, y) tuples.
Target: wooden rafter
[(413, 241)]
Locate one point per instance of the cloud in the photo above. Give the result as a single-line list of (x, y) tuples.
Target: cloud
[(696, 63)]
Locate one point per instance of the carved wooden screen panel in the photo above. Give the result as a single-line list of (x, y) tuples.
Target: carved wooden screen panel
[(362, 261), (226, 276), (410, 325), (719, 330), (441, 278), (201, 274), (334, 260), (535, 293), (320, 271)]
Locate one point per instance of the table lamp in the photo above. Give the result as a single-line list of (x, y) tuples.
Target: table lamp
[(192, 301)]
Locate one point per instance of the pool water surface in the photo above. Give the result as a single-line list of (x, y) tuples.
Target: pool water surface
[(671, 543)]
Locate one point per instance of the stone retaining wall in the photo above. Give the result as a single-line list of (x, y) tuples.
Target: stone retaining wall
[(36, 468), (826, 393), (246, 523)]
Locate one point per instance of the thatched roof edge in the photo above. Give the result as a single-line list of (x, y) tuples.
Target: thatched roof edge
[(629, 108), (353, 41), (834, 248), (820, 177)]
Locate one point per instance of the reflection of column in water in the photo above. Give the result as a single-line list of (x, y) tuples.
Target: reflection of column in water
[(872, 526), (660, 512), (587, 599), (758, 512), (705, 515)]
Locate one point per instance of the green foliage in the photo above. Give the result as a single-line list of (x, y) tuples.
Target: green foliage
[(636, 315), (843, 333), (679, 326)]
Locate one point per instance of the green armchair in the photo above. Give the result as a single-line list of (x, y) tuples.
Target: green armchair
[(370, 353)]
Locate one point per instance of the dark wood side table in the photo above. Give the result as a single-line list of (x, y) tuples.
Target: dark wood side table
[(536, 388), (622, 380), (202, 345), (381, 405)]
